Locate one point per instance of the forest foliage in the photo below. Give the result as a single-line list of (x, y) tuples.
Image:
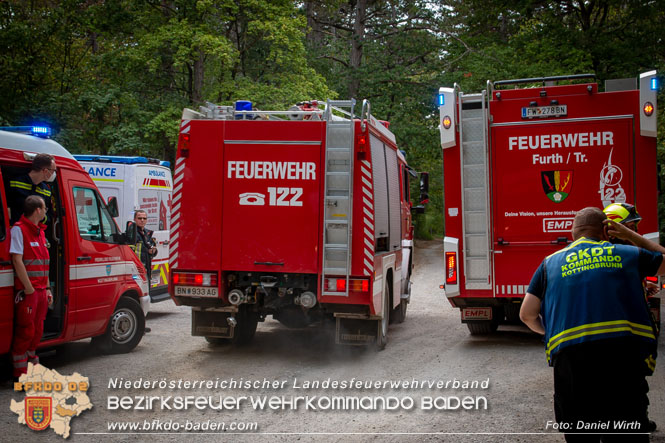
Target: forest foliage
[(112, 76)]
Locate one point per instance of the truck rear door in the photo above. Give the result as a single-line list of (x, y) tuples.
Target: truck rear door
[(272, 196), (543, 172)]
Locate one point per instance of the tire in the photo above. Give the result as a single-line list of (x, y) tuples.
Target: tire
[(216, 341), (483, 327), (513, 313), (246, 327), (382, 327), (398, 315), (125, 329)]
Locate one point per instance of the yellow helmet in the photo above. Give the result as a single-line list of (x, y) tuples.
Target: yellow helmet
[(622, 213)]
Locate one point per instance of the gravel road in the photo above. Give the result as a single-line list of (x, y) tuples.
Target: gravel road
[(430, 346)]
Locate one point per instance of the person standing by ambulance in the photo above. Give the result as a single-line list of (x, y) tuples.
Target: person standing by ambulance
[(35, 182), (145, 247), (30, 258)]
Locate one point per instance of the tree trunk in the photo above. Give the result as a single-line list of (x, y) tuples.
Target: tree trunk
[(357, 46), (197, 90)]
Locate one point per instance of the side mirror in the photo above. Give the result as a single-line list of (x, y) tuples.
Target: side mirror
[(130, 233), (424, 188), (113, 206)]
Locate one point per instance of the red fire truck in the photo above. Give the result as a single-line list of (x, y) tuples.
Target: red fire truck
[(301, 214), (519, 162)]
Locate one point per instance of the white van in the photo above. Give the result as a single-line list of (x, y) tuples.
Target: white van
[(138, 183)]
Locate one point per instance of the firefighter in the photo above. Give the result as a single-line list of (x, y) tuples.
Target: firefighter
[(35, 182), (30, 258), (598, 354)]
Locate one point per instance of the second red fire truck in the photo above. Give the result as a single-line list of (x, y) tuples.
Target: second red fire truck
[(301, 214), (519, 162)]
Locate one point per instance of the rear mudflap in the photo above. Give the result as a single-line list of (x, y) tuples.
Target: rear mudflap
[(211, 323), (356, 329)]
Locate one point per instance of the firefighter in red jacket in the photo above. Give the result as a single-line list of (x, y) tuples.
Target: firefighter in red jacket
[(30, 258)]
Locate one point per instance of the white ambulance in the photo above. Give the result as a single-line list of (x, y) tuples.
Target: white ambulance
[(138, 183)]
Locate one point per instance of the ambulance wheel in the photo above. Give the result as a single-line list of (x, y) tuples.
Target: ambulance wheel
[(246, 327), (382, 329), (125, 328), (483, 327)]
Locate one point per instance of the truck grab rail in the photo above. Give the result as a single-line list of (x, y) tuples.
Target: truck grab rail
[(363, 119), (543, 79)]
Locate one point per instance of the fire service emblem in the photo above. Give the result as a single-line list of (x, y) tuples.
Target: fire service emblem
[(557, 184), (38, 412)]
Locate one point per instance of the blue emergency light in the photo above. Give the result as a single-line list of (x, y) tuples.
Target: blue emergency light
[(41, 131), (243, 105), (442, 99), (654, 84), (38, 131), (111, 159)]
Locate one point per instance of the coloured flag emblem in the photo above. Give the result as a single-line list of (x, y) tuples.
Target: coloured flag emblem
[(557, 184), (38, 412)]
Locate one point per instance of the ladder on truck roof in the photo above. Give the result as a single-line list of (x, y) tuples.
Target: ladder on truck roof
[(338, 192), (475, 189)]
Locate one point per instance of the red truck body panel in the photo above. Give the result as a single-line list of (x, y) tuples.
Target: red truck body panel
[(540, 171)]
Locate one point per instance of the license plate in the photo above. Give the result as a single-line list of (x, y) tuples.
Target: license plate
[(196, 291), (476, 313), (545, 111)]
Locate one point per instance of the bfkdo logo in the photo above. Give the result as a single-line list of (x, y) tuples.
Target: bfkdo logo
[(51, 400), (557, 184), (38, 412)]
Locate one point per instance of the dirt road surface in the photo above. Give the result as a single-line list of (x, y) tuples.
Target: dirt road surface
[(430, 346)]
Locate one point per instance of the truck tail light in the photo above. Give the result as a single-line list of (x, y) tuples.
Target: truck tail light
[(194, 278), (359, 285), (652, 279), (184, 144), (648, 109), (451, 268), (339, 285)]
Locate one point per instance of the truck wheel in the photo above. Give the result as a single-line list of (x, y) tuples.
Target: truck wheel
[(483, 327), (513, 313), (246, 327), (217, 340), (398, 315), (125, 329), (382, 329)]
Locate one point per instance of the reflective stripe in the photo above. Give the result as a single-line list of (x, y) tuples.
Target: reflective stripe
[(36, 262), (599, 328), (31, 353), (43, 191), (18, 184), (20, 357), (651, 363), (22, 364), (37, 273)]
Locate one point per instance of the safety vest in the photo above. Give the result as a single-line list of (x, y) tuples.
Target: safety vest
[(594, 291), (35, 254)]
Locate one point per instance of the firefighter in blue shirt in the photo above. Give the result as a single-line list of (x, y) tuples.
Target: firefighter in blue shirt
[(587, 299)]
